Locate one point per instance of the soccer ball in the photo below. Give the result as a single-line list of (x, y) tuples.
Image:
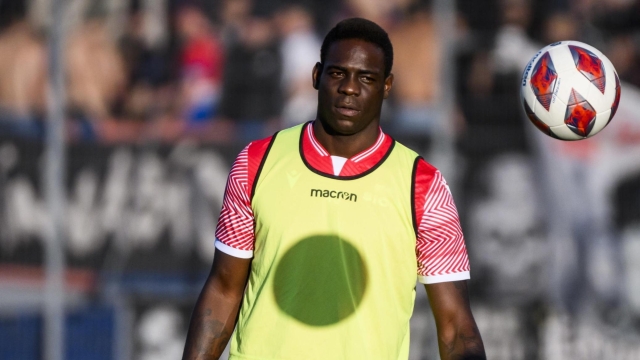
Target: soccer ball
[(570, 90)]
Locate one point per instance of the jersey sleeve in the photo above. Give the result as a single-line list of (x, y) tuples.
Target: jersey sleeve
[(235, 232), (235, 229), (440, 246)]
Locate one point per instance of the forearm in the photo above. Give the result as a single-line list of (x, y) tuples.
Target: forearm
[(458, 335), (212, 324)]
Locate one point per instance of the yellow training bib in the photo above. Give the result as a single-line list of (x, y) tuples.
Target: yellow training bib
[(334, 268)]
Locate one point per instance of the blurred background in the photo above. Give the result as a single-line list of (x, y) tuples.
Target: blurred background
[(119, 121)]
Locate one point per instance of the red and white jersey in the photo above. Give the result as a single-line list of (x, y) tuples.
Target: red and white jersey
[(440, 248)]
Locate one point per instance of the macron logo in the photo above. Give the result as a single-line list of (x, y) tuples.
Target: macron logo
[(334, 194)]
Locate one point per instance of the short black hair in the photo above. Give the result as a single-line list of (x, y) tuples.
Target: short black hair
[(361, 29)]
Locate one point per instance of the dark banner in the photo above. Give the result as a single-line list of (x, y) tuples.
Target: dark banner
[(139, 208)]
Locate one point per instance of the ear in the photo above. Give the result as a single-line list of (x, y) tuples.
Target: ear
[(317, 72), (388, 83)]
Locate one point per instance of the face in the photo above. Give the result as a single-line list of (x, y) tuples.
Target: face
[(351, 86)]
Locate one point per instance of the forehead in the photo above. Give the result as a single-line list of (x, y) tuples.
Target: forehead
[(355, 53)]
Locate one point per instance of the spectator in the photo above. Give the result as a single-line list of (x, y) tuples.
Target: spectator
[(417, 65), (560, 26), (96, 76), (201, 66), (252, 95), (513, 46), (22, 77), (145, 70), (233, 14), (144, 56), (624, 53), (299, 54), (378, 11)]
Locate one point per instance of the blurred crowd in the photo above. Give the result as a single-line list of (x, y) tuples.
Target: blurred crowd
[(216, 71), (227, 70)]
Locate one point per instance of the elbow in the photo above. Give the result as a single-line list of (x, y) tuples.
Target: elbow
[(461, 341)]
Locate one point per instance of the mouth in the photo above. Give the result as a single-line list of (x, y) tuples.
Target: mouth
[(347, 110)]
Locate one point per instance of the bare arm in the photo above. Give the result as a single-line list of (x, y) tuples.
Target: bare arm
[(458, 335), (216, 311)]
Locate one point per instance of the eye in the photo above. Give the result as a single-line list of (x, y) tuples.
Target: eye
[(367, 79), (335, 73)]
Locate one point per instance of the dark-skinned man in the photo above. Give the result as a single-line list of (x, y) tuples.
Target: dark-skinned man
[(325, 227)]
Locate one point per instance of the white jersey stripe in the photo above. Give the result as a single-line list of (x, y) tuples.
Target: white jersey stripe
[(373, 149), (315, 142), (432, 279), (243, 254)]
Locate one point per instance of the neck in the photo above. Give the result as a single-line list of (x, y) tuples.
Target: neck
[(345, 145)]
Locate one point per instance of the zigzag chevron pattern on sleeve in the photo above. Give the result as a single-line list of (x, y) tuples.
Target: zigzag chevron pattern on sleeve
[(235, 225), (440, 246)]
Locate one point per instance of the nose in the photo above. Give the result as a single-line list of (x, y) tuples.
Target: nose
[(349, 86)]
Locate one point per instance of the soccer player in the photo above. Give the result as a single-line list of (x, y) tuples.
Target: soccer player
[(325, 226)]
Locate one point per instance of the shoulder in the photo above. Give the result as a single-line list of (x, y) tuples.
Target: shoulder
[(430, 188), (249, 160), (427, 167), (400, 147), (257, 149), (421, 166), (429, 179), (253, 155), (425, 170)]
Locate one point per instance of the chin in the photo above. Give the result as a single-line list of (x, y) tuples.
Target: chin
[(342, 125), (345, 126)]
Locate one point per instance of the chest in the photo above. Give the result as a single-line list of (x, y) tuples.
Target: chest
[(292, 203)]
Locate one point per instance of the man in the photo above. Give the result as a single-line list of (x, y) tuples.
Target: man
[(325, 226)]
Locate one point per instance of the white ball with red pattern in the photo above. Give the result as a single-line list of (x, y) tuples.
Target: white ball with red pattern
[(570, 90)]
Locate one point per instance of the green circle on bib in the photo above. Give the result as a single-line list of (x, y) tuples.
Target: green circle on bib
[(320, 281)]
